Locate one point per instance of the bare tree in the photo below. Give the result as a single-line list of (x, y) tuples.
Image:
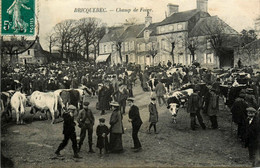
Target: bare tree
[(63, 34), (173, 40), (117, 40), (88, 28), (192, 45), (51, 39), (219, 34), (100, 32)]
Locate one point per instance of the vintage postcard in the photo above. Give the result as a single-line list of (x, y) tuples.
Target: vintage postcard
[(128, 83)]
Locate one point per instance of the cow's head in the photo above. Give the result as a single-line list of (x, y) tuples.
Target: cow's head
[(173, 108)]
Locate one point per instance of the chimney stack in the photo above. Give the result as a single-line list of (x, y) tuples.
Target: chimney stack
[(172, 9), (202, 5), (148, 20)]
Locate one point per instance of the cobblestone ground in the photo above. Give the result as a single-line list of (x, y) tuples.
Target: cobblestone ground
[(34, 144)]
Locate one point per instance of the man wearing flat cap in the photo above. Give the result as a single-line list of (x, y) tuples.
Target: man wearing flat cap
[(135, 119), (69, 131), (252, 135), (86, 122)]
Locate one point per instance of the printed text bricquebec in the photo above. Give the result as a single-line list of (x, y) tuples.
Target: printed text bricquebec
[(103, 10)]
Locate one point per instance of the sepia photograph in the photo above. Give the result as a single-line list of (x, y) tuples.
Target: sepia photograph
[(128, 83)]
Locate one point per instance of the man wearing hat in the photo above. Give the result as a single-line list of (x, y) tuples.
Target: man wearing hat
[(194, 106), (69, 131), (252, 135), (239, 114), (135, 119), (86, 122), (250, 98)]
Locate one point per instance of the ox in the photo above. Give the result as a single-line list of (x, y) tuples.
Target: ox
[(176, 99), (6, 98), (45, 101), (18, 103)]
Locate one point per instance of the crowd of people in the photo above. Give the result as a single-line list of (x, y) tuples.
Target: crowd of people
[(114, 86)]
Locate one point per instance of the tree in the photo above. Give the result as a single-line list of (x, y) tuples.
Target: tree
[(100, 32), (247, 36), (173, 40), (219, 35), (63, 34), (115, 38), (51, 39), (15, 47), (89, 29), (192, 45)]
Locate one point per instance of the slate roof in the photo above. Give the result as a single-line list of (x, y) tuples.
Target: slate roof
[(132, 31), (112, 33), (179, 17), (208, 25), (151, 27)]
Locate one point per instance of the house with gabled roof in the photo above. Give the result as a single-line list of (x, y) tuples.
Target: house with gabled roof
[(34, 55), (108, 45), (206, 51)]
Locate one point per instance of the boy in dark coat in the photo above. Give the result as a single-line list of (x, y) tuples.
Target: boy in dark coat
[(69, 131), (102, 139), (153, 119), (252, 133)]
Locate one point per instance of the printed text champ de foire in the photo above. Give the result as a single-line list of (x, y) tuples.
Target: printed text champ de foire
[(103, 10)]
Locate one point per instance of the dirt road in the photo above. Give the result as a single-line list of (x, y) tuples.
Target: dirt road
[(34, 144)]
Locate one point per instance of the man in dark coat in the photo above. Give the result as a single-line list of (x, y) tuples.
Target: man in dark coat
[(252, 134), (135, 119), (69, 131), (86, 122), (239, 115), (194, 107)]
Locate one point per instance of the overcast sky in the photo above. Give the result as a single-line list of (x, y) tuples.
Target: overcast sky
[(239, 14)]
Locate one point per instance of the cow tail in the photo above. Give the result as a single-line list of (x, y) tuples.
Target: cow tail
[(21, 105)]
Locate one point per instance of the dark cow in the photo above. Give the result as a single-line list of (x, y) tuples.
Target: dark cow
[(231, 93), (6, 98)]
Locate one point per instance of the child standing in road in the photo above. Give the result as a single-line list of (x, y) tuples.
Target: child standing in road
[(102, 139)]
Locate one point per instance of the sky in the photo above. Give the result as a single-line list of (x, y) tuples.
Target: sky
[(239, 14)]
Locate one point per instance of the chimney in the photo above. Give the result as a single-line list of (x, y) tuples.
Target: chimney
[(202, 5), (172, 9), (148, 20)]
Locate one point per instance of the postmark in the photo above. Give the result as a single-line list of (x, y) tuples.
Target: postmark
[(18, 17)]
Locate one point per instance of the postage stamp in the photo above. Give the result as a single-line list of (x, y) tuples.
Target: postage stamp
[(18, 17)]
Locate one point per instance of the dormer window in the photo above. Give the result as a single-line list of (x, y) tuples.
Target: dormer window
[(171, 28), (180, 27), (146, 34)]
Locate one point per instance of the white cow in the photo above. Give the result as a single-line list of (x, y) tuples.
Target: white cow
[(18, 103), (176, 99), (45, 101)]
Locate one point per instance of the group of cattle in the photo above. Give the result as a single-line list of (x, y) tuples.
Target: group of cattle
[(54, 102), (178, 98)]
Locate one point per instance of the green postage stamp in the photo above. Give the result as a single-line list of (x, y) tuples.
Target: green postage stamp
[(18, 17)]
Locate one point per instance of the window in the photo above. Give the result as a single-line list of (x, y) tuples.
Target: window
[(142, 47), (162, 29), (180, 44), (29, 52), (132, 45), (126, 46), (146, 34), (105, 48), (208, 44), (180, 26), (171, 28), (113, 47), (209, 58), (163, 44)]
